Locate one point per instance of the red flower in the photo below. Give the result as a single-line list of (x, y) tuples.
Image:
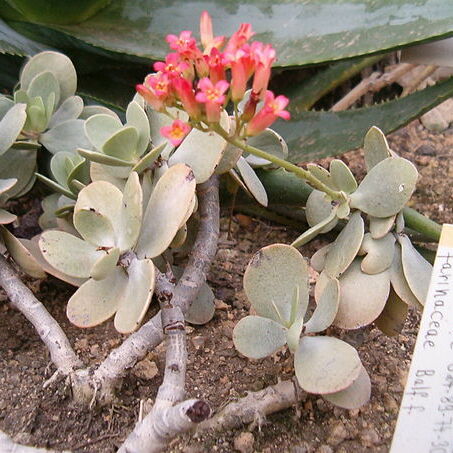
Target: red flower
[(264, 56), (208, 40), (175, 132), (273, 108), (184, 44), (156, 90), (212, 96), (173, 65), (239, 38), (187, 96)]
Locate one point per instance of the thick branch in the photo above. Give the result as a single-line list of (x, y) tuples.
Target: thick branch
[(171, 421), (48, 329), (254, 407)]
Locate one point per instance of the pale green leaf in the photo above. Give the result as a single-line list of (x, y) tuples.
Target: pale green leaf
[(342, 176), (391, 320), (257, 337), (251, 180), (137, 118), (379, 253), (416, 269), (318, 208), (380, 226), (326, 365), (345, 247), (11, 125), (375, 147), (270, 279), (137, 295), (66, 136), (166, 211), (69, 254), (362, 297), (354, 396), (122, 144), (70, 109), (97, 300), (386, 188), (202, 309), (61, 67), (100, 127)]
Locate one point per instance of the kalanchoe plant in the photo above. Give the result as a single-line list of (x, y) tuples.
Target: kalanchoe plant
[(117, 245), (276, 284)]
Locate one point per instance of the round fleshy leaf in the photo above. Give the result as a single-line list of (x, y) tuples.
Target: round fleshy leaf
[(122, 144), (386, 188), (61, 165), (318, 208), (399, 282), (105, 264), (6, 184), (205, 162), (99, 172), (416, 269), (43, 85), (362, 297), (318, 260), (101, 158), (6, 217), (179, 238), (230, 156), (202, 308), (91, 110), (130, 214), (61, 67), (48, 218), (379, 253), (167, 208), (312, 232), (271, 277), (251, 180), (380, 226), (136, 117), (327, 308), (376, 148), (399, 222), (70, 109), (21, 255), (354, 396), (343, 210), (66, 136), (94, 227), (137, 295), (320, 285), (270, 142), (342, 176), (391, 320), (33, 247), (103, 198), (69, 254), (257, 337), (322, 174), (21, 165), (97, 300), (325, 365), (148, 159), (100, 127), (5, 104), (11, 125), (345, 247)]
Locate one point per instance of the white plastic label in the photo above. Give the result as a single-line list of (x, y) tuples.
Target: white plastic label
[(425, 421)]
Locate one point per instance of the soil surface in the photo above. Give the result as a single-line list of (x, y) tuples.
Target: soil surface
[(216, 372)]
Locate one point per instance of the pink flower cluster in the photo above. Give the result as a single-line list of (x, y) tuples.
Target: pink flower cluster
[(197, 80)]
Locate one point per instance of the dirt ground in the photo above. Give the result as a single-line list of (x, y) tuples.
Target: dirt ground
[(216, 372)]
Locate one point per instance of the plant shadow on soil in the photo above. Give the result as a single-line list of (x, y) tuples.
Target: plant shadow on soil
[(216, 372)]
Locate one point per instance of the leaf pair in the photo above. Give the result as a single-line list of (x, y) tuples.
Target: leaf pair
[(276, 283)]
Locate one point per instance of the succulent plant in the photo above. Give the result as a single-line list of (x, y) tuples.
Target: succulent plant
[(276, 284), (380, 266), (117, 244), (44, 111)]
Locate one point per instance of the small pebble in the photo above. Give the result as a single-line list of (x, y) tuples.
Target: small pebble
[(244, 442), (145, 369)]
